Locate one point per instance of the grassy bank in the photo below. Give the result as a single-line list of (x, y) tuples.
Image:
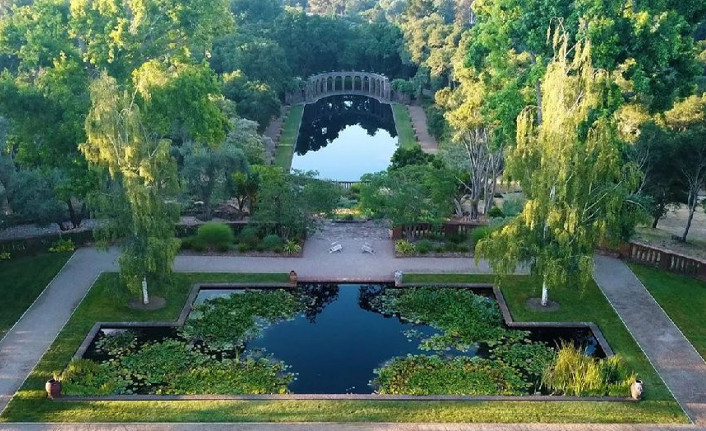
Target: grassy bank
[(22, 280), (403, 123), (105, 302), (288, 140), (683, 298)]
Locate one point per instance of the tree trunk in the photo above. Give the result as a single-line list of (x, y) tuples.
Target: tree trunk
[(655, 220), (145, 294), (207, 207), (545, 294), (692, 209)]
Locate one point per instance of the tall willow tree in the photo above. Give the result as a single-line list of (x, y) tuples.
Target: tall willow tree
[(570, 168), (143, 212)]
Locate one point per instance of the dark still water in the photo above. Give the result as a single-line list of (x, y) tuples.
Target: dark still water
[(344, 137)]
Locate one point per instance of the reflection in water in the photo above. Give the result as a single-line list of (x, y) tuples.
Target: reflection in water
[(344, 137)]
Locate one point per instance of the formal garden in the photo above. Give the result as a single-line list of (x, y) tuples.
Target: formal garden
[(458, 163)]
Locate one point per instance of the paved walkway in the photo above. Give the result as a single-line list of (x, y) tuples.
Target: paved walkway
[(672, 355), (419, 121), (32, 335)]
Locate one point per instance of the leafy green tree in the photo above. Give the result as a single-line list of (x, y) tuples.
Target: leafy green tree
[(288, 201), (244, 135), (254, 100), (145, 210), (409, 194), (570, 169), (208, 171)]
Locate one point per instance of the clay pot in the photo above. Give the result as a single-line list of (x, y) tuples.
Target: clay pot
[(636, 389), (292, 277), (53, 388)]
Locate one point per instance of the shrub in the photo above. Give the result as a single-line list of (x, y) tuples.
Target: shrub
[(495, 212), (405, 248), (5, 255), (187, 243), (455, 238), (250, 236), (62, 245), (424, 246), (450, 247), (243, 247), (292, 247), (575, 374), (480, 233), (215, 236), (439, 248), (463, 248), (513, 205), (272, 241)]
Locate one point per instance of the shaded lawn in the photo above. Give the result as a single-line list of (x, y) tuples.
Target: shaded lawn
[(105, 303), (682, 298), (22, 280), (576, 305), (288, 140), (403, 123)]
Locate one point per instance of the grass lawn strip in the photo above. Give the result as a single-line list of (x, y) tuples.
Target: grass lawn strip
[(22, 281), (288, 140), (106, 302), (682, 298), (403, 123)]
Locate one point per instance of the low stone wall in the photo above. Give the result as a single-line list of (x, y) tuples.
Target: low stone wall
[(664, 259)]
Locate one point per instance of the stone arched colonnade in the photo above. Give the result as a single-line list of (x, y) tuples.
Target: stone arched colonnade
[(336, 83)]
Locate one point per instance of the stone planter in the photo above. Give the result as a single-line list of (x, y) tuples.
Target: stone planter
[(293, 277), (399, 278), (53, 388)]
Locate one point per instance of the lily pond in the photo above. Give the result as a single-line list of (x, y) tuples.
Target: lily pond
[(328, 338)]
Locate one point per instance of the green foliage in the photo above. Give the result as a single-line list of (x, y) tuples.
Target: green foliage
[(249, 236), (495, 212), (118, 343), (5, 255), (145, 176), (574, 373), (405, 248), (463, 316), (512, 205), (424, 246), (62, 245), (406, 156), (575, 193), (228, 323), (433, 375), (215, 236), (272, 241), (481, 232), (530, 359), (292, 247)]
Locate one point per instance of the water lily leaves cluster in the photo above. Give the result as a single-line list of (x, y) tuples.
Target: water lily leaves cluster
[(175, 367), (228, 323)]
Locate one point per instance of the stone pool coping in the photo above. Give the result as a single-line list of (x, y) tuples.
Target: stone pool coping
[(196, 288)]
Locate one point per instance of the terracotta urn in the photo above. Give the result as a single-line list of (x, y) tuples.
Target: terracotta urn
[(53, 387), (292, 277)]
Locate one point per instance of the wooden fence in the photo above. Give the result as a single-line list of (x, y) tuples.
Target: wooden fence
[(664, 259), (421, 230)]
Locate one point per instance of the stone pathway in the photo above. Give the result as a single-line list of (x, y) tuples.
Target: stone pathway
[(419, 122), (672, 355), (32, 335)]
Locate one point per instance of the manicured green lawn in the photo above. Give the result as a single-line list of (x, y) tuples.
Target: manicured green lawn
[(288, 140), (576, 305), (105, 303), (683, 298), (403, 122), (22, 280)]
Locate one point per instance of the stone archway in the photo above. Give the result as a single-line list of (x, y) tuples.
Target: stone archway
[(341, 83)]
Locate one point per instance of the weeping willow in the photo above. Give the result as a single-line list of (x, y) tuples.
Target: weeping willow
[(142, 212), (570, 168)]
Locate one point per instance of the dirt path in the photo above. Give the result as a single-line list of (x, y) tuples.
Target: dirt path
[(419, 121)]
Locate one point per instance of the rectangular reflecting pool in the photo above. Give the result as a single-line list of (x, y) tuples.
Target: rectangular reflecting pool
[(324, 338)]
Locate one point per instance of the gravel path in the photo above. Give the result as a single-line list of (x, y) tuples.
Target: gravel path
[(419, 121)]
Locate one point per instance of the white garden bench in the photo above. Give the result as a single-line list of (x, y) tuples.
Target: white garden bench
[(335, 246), (367, 248)]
